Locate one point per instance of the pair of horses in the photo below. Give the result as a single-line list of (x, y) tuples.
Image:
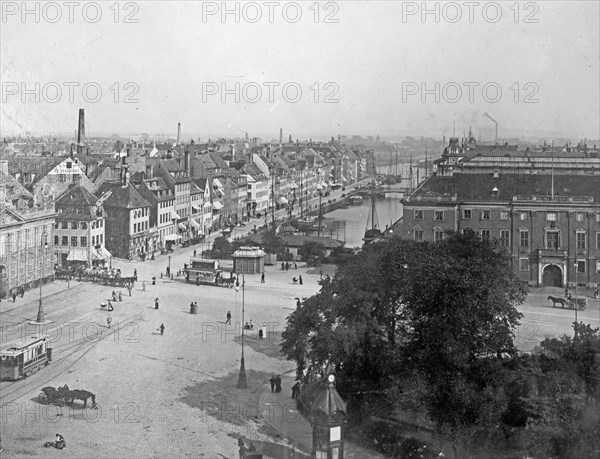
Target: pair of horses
[(69, 396)]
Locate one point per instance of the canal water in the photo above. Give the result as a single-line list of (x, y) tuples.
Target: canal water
[(350, 224)]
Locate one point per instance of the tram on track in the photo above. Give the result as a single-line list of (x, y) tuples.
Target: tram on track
[(25, 358)]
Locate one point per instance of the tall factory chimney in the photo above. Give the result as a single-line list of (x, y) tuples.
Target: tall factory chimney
[(81, 131), (280, 136), (495, 122), (178, 132)]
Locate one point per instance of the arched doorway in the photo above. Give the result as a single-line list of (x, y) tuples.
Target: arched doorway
[(3, 282), (552, 276)]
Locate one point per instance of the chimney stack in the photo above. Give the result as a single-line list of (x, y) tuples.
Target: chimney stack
[(81, 130), (280, 136), (178, 132)]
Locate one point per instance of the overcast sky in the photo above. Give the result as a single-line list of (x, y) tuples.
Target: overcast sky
[(370, 60)]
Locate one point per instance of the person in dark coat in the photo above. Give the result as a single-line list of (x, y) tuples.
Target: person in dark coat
[(162, 329), (228, 321), (22, 291), (278, 384), (14, 295), (296, 390), (135, 274), (153, 280), (156, 303), (272, 381), (300, 280), (262, 278)]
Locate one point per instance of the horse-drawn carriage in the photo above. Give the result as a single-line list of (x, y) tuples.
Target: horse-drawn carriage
[(63, 395), (569, 303), (109, 277)]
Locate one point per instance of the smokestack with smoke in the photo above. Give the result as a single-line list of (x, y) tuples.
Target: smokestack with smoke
[(495, 122)]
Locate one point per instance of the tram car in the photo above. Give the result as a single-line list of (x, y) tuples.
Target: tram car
[(25, 358), (203, 272)]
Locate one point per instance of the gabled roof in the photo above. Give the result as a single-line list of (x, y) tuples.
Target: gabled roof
[(77, 203), (13, 189), (38, 165), (121, 196)]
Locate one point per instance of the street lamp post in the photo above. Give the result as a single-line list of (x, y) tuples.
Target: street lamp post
[(320, 189), (110, 258), (44, 243), (170, 275), (242, 381), (576, 304)]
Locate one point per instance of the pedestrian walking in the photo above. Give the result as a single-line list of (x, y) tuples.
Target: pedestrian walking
[(143, 286), (296, 390), (596, 293), (156, 303), (14, 295), (129, 289), (566, 291), (262, 278), (287, 266), (251, 325), (168, 271), (194, 252), (295, 265), (300, 280), (282, 266), (153, 280), (272, 382), (228, 321), (135, 274), (162, 329), (278, 384), (22, 291), (108, 321), (120, 296)]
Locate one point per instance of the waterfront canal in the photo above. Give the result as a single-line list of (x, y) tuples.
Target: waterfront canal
[(350, 224)]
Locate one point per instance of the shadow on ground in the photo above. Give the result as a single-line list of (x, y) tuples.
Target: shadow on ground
[(269, 346)]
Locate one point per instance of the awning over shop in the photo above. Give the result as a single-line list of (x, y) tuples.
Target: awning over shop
[(197, 207), (217, 205), (282, 200), (78, 254), (195, 224), (174, 215), (181, 226), (172, 237), (100, 254)]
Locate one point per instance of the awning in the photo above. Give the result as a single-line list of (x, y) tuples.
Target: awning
[(182, 226), (198, 208), (100, 254), (195, 224), (174, 215), (282, 200), (78, 254), (217, 205), (172, 237)]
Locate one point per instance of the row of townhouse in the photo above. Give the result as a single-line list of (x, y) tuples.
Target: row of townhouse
[(547, 217)]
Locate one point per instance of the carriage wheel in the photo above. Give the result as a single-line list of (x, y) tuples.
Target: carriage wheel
[(43, 399)]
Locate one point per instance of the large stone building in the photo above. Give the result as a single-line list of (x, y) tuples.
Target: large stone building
[(26, 236), (544, 210)]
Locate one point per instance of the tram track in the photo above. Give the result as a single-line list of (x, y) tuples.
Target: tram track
[(54, 370)]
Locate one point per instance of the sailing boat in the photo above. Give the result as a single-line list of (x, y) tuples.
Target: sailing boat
[(372, 231)]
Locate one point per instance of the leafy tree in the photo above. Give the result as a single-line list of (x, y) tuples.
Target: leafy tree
[(312, 249)]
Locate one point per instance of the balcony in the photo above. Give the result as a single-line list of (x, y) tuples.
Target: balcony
[(548, 254)]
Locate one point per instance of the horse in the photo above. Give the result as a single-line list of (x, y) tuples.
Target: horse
[(83, 395), (556, 299), (229, 282), (55, 395)]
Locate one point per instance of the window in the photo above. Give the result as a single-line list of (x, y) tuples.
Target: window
[(466, 214), (55, 240), (597, 241), (581, 266), (597, 266), (56, 225), (418, 215), (485, 234), (580, 240), (438, 235), (486, 214), (523, 215), (551, 216), (73, 241), (65, 225), (83, 225), (523, 264), (552, 240), (504, 238), (419, 235), (579, 216), (438, 215), (524, 238), (74, 225), (65, 240), (83, 241), (504, 215), (597, 217)]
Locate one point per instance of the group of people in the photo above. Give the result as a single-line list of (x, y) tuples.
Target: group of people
[(20, 291), (285, 266), (275, 382), (297, 280)]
